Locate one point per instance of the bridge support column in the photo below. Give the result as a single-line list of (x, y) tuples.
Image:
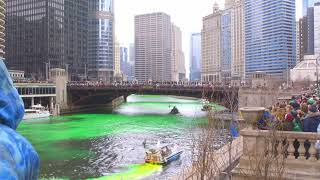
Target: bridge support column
[(51, 103), (32, 101)]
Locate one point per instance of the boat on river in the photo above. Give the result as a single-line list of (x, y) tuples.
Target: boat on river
[(163, 155), (174, 110), (36, 112), (206, 106)]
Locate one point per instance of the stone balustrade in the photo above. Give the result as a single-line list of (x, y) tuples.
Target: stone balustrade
[(300, 158)]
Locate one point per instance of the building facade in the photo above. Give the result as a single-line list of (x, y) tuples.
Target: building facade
[(211, 46), (270, 37), (178, 71), (131, 64), (2, 28), (195, 57), (35, 36), (298, 46), (153, 47), (317, 29), (226, 52), (117, 61), (124, 60), (101, 40), (237, 40), (75, 37)]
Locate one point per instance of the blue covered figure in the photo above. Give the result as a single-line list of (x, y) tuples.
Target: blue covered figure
[(18, 159)]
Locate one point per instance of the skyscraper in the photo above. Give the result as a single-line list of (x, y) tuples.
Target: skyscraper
[(270, 36), (35, 36), (317, 29), (117, 61), (195, 57), (2, 28), (237, 40), (226, 45), (101, 40), (153, 47), (211, 46), (124, 60), (75, 37), (177, 56), (305, 5), (131, 64)]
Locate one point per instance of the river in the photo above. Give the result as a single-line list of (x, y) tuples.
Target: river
[(108, 145)]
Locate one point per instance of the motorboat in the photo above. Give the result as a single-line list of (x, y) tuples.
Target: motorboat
[(174, 110), (36, 112), (206, 106), (163, 155)]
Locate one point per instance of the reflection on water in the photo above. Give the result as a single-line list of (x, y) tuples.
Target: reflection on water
[(109, 146)]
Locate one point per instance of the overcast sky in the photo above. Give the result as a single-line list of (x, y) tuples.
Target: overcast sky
[(186, 14)]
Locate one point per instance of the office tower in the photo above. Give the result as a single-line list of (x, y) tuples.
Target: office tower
[(131, 64), (211, 46), (228, 4), (317, 29), (305, 5), (153, 47), (195, 57), (177, 56), (2, 28), (226, 45), (35, 36), (298, 44), (117, 60), (237, 40), (124, 60), (101, 40), (75, 37), (270, 36)]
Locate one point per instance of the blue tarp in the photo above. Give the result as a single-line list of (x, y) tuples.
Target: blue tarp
[(18, 159)]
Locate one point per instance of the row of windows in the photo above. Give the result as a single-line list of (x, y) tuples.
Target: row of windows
[(36, 90)]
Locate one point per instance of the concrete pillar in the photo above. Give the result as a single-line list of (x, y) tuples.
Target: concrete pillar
[(51, 103), (32, 101)]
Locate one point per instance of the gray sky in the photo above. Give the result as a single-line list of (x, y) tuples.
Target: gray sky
[(186, 14)]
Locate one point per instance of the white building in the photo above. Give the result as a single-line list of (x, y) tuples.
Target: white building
[(178, 70), (153, 47), (305, 71), (211, 46)]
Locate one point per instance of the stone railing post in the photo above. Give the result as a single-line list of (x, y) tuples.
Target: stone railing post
[(313, 150)]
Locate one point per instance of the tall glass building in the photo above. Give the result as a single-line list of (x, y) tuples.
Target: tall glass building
[(270, 32), (226, 46), (305, 5), (317, 29), (195, 57), (35, 36), (101, 40), (2, 28)]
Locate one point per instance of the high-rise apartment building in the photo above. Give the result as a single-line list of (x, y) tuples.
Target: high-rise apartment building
[(131, 63), (270, 36), (124, 60), (2, 28), (211, 46), (226, 45), (237, 40), (317, 29), (153, 47), (101, 40), (178, 71), (195, 57), (75, 37), (117, 60), (298, 45), (35, 36)]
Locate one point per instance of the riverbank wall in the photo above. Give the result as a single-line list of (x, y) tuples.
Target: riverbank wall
[(117, 102)]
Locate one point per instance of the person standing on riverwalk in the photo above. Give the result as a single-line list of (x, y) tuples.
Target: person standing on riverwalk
[(18, 159)]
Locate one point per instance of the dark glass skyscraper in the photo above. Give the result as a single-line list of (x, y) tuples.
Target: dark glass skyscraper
[(101, 40), (34, 35), (270, 31), (75, 37), (195, 57)]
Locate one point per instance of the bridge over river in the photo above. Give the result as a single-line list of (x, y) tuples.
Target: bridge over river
[(83, 95)]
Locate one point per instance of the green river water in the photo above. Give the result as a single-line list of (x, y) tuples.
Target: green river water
[(108, 145)]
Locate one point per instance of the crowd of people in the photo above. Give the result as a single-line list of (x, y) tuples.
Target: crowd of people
[(300, 114)]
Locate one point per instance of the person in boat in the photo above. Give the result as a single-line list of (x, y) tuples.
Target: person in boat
[(174, 110), (18, 159)]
